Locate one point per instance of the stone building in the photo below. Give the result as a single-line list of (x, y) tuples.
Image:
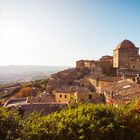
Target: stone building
[(126, 57), (64, 96), (86, 64), (104, 64), (107, 58), (73, 94), (102, 82)]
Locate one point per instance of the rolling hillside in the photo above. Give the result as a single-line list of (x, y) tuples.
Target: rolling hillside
[(27, 73)]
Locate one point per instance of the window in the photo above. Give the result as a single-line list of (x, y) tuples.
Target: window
[(133, 66), (131, 59), (60, 96), (90, 97), (65, 96)]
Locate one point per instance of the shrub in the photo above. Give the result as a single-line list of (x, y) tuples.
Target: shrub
[(10, 124), (85, 121)]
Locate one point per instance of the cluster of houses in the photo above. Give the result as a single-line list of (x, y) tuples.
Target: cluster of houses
[(112, 79)]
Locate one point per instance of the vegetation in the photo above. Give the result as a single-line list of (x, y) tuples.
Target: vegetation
[(41, 84), (24, 92), (31, 88), (84, 122)]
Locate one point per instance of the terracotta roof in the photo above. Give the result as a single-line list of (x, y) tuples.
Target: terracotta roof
[(104, 78), (43, 108), (43, 97), (126, 44), (71, 89), (124, 91), (66, 89)]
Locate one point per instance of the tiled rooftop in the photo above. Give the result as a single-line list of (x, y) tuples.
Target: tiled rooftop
[(124, 91)]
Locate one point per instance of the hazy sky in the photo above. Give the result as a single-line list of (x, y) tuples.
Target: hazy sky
[(59, 32)]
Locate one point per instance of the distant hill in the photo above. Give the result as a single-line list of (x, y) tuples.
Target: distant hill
[(23, 73)]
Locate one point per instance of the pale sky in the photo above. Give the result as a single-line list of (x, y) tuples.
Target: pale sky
[(59, 32)]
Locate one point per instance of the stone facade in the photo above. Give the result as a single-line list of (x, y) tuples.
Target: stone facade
[(126, 60), (65, 78), (104, 64), (73, 94), (64, 96), (86, 64), (102, 82), (107, 58), (126, 56), (83, 95)]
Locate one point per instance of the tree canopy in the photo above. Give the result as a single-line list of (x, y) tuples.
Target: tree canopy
[(84, 122)]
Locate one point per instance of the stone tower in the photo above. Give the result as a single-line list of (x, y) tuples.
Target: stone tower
[(123, 53)]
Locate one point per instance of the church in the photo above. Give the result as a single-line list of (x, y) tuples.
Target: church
[(126, 58)]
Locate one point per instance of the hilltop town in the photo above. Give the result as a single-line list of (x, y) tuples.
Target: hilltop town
[(111, 79), (91, 78)]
